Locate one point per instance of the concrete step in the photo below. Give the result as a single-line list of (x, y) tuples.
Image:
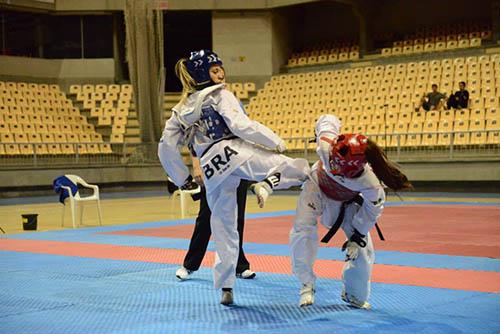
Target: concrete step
[(172, 97), (132, 131), (132, 123), (132, 139)]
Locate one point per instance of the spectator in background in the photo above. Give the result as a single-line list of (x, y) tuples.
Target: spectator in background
[(432, 100), (460, 99)]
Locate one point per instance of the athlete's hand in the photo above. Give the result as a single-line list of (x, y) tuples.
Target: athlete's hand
[(280, 148), (353, 245), (189, 184), (197, 173)]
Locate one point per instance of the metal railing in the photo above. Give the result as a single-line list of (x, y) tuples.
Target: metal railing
[(434, 146), (77, 154), (431, 146)]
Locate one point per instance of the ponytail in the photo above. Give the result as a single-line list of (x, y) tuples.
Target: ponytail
[(386, 171), (188, 83)]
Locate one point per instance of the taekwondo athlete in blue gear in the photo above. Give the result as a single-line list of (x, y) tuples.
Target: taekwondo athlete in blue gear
[(240, 149)]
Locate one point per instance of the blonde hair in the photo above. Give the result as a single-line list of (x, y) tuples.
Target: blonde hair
[(188, 83)]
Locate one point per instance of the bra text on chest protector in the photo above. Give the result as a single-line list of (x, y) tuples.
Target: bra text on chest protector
[(219, 162)]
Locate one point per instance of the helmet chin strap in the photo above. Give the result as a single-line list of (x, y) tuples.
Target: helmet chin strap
[(205, 85)]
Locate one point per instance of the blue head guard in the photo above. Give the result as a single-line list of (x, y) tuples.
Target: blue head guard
[(199, 63)]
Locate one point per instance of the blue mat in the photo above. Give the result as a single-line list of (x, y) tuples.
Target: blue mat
[(58, 294)]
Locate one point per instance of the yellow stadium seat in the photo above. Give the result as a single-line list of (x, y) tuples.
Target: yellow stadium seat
[(87, 89), (493, 137), (75, 89), (451, 44), (104, 121), (54, 149), (444, 139), (96, 112), (105, 148), (116, 138), (47, 138), (82, 149), (430, 126), (72, 138), (478, 138), (80, 96), (445, 126), (93, 149), (440, 46), (67, 149), (101, 89), (84, 138), (96, 96), (77, 128), (34, 138), (386, 52), (111, 96), (20, 138), (447, 115), (118, 128), (477, 114), (40, 149), (401, 128), (492, 124), (492, 113), (16, 128), (12, 149), (89, 104), (462, 114), (461, 139), (416, 127), (26, 149), (413, 140), (475, 42), (391, 118), (47, 119), (461, 125), (429, 139), (476, 124)]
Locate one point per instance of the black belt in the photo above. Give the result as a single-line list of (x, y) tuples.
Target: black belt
[(340, 218)]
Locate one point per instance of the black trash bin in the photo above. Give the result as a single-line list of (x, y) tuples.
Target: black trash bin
[(30, 222)]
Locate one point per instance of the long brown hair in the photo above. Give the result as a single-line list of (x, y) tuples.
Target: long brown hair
[(386, 171)]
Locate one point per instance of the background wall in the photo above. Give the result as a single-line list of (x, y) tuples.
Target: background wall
[(244, 41), (453, 171), (62, 71), (253, 44)]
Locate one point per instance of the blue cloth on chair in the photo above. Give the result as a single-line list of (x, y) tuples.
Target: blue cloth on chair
[(63, 193)]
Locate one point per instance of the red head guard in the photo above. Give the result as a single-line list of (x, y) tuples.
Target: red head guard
[(347, 154)]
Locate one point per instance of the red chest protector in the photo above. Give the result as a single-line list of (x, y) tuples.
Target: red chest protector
[(333, 189)]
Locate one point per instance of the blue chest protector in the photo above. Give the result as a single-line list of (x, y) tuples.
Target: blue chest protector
[(216, 127)]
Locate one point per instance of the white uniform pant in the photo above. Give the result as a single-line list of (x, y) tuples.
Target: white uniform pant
[(222, 203), (313, 203)]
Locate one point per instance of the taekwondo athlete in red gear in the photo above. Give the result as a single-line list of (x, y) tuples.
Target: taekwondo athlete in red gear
[(344, 191)]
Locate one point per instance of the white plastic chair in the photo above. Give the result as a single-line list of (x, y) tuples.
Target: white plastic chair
[(183, 197), (75, 199)]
